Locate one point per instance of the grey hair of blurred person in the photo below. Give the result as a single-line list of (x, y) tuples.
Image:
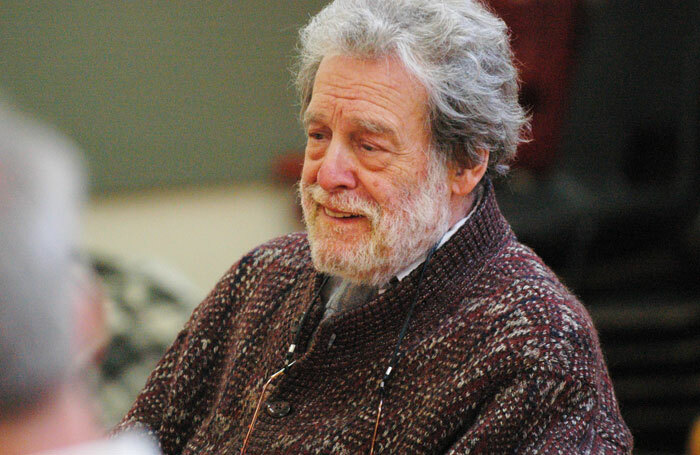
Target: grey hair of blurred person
[(40, 196), (457, 49)]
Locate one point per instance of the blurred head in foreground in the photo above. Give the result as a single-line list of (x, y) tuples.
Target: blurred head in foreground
[(40, 193), (50, 315)]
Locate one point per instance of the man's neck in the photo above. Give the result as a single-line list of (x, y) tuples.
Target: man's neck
[(460, 206), (64, 419)]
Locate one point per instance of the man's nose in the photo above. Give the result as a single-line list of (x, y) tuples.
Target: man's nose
[(337, 170)]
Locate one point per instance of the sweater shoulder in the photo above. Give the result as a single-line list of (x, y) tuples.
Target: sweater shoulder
[(524, 277), (285, 254), (287, 251), (527, 299), (276, 262)]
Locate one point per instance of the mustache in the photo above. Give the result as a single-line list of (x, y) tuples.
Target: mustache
[(344, 201)]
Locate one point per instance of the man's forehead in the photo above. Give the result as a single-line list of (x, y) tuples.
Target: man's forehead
[(383, 80)]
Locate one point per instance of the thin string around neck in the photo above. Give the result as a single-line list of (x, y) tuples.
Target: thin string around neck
[(289, 360), (406, 322), (395, 355)]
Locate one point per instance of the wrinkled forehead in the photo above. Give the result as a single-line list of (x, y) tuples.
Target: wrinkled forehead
[(379, 94)]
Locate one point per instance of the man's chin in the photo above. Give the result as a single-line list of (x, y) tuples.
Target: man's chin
[(349, 262), (334, 253)]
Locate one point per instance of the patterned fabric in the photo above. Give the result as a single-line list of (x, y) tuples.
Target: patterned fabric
[(148, 304), (499, 358)]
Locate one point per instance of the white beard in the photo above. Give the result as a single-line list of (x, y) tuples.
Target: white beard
[(400, 233)]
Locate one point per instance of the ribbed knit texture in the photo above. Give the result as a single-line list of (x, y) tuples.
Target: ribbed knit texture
[(499, 358)]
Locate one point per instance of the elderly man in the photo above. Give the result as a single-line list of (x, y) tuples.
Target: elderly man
[(409, 319), (47, 319)]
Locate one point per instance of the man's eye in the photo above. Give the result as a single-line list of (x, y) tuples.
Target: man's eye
[(316, 136), (368, 147)]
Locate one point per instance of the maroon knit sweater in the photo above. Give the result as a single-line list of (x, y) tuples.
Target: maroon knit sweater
[(499, 358)]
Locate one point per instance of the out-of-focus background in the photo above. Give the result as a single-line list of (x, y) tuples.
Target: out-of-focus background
[(187, 118)]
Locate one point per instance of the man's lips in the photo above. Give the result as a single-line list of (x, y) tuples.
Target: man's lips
[(338, 213)]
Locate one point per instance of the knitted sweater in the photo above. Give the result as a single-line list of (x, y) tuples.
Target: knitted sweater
[(499, 358)]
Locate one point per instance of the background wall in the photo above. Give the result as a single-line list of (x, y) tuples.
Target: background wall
[(159, 93), (193, 234), (180, 107)]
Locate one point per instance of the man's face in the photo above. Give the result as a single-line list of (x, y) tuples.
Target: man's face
[(374, 201)]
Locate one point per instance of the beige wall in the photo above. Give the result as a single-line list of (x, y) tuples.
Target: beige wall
[(195, 232)]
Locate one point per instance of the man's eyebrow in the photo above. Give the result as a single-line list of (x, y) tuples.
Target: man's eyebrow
[(373, 126), (369, 125), (312, 117)]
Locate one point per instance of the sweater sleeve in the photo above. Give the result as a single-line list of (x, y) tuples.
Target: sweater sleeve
[(173, 399), (542, 411)]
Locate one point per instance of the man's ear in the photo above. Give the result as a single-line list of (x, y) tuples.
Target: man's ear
[(463, 180)]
